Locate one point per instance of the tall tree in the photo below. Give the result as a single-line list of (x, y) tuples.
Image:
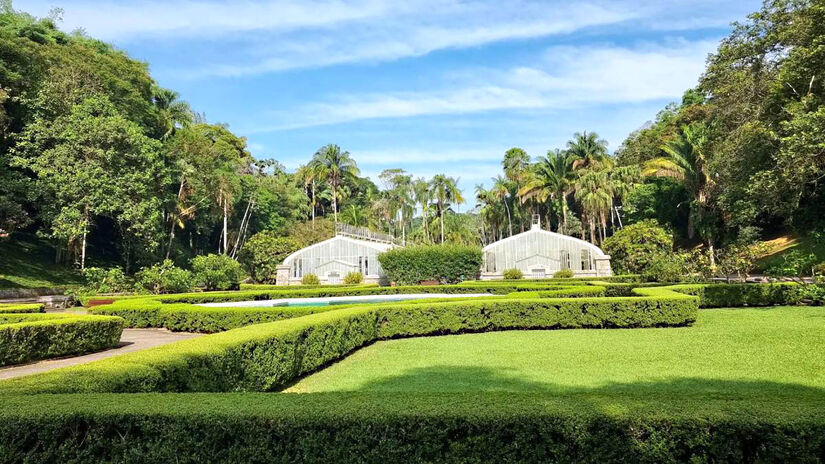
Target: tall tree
[(421, 192), (589, 150), (502, 190), (174, 113), (553, 178), (335, 166), (445, 191)]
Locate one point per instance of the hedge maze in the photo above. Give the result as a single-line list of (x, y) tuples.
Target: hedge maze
[(216, 397)]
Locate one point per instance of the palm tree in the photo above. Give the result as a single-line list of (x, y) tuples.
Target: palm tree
[(421, 192), (445, 191), (308, 174), (516, 164), (335, 166), (501, 191), (174, 113), (553, 177), (595, 195), (589, 150), (685, 162)]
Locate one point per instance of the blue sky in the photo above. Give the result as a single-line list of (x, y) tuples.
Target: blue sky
[(428, 86)]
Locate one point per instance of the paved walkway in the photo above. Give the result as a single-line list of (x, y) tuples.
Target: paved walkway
[(131, 340)]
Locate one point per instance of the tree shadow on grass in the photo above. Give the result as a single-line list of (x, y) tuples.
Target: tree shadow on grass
[(479, 379)]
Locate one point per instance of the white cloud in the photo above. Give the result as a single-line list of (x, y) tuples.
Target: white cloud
[(567, 77)]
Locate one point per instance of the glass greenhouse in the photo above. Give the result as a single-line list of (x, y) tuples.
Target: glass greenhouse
[(333, 259), (539, 253)]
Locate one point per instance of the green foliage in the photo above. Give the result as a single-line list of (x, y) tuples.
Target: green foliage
[(512, 274), (164, 278), (667, 267), (741, 259), (735, 295), (29, 262), (442, 263), (310, 279), (99, 280), (265, 357), (264, 252), (634, 248), (216, 272), (29, 337), (795, 264), (8, 308), (563, 274), (311, 232), (353, 278)]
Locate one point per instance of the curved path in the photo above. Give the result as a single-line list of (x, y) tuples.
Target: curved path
[(131, 340)]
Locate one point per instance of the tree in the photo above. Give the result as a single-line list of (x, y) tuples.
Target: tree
[(685, 162), (421, 192), (634, 248), (589, 151), (445, 191), (335, 166), (93, 162), (553, 178), (594, 193), (501, 190), (174, 114)]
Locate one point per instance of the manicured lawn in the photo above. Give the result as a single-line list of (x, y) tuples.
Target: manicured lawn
[(728, 353)]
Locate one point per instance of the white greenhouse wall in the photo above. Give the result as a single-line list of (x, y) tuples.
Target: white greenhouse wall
[(540, 253), (332, 259)]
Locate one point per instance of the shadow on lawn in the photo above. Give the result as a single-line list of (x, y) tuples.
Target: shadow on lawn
[(477, 379)]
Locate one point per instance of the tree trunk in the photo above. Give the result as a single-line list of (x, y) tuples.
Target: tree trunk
[(441, 219), (85, 233), (174, 218), (564, 213), (225, 226), (313, 200), (335, 205)]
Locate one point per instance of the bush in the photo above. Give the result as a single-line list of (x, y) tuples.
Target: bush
[(266, 357), (670, 267), (381, 427), (262, 254), (217, 272), (353, 278), (30, 337), (164, 278), (563, 274), (8, 308), (634, 248), (442, 263), (310, 279), (512, 274), (99, 280), (311, 232)]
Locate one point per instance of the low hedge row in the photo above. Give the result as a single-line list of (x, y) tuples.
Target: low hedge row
[(379, 428), (299, 287), (30, 337), (266, 357), (152, 312), (6, 308), (731, 295)]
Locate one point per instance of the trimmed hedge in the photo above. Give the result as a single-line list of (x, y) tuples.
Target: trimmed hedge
[(266, 357), (724, 295), (29, 337), (386, 427), (6, 308), (441, 263)]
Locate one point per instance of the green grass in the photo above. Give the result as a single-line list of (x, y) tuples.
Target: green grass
[(731, 353), (28, 262)]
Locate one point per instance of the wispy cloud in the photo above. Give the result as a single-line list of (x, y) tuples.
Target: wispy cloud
[(566, 77)]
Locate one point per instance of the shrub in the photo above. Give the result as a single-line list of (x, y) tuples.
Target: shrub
[(29, 337), (310, 279), (512, 274), (668, 267), (442, 263), (8, 308), (635, 247), (265, 357), (353, 278), (164, 278), (217, 272), (563, 274), (99, 280), (262, 254), (381, 427), (311, 232)]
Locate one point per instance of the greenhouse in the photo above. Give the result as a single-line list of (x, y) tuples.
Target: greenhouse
[(333, 259), (539, 253)]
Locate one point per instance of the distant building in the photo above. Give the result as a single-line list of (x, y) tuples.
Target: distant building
[(539, 253), (351, 250)]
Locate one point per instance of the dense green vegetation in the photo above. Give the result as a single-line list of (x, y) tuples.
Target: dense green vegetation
[(25, 336), (82, 124), (722, 359), (441, 264)]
